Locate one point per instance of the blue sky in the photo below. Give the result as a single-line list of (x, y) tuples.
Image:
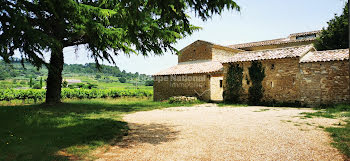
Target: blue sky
[(258, 20)]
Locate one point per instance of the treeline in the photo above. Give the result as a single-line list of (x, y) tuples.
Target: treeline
[(15, 69)]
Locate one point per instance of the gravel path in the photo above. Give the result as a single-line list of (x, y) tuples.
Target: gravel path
[(208, 132)]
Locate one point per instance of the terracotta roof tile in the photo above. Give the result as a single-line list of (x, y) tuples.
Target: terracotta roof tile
[(269, 42), (305, 33), (327, 55), (192, 68), (277, 41), (279, 53)]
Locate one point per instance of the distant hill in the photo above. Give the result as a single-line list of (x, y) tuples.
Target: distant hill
[(16, 70)]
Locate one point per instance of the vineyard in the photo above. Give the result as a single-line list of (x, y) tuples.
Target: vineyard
[(39, 94)]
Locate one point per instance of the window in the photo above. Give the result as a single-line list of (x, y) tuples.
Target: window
[(272, 66), (220, 83)]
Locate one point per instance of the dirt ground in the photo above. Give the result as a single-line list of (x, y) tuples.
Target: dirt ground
[(208, 132)]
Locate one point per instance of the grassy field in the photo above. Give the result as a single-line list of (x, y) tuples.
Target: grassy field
[(340, 134), (68, 130)]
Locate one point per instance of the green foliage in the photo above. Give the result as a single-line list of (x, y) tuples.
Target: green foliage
[(106, 28), (256, 75), (98, 76), (336, 35), (79, 85), (41, 82), (102, 25), (149, 83), (233, 88), (64, 84), (39, 94), (122, 80), (30, 82), (37, 86)]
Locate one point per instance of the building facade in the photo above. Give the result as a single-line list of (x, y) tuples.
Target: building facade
[(294, 71)]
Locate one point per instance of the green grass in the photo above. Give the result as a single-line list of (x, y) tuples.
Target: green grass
[(75, 127), (223, 104), (262, 110), (341, 134), (325, 114), (341, 137)]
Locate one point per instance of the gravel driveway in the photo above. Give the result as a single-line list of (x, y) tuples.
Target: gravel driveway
[(208, 132)]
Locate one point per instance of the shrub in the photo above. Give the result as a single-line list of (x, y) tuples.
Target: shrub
[(37, 86), (149, 83), (122, 80), (257, 75), (234, 88), (182, 99), (39, 94)]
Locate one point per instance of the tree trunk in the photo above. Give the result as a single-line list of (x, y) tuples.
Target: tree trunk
[(54, 79)]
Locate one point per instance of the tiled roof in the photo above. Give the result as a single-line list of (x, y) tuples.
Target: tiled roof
[(305, 33), (327, 55), (277, 41), (213, 45), (192, 68), (278, 53), (269, 42)]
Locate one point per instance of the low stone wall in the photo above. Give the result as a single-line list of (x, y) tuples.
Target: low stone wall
[(325, 83), (197, 85)]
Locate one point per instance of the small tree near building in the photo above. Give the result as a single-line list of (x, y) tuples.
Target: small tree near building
[(122, 80)]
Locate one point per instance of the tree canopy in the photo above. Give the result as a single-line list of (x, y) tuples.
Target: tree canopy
[(336, 35), (106, 27), (137, 26)]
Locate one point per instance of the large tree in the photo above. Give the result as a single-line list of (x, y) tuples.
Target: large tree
[(336, 35), (107, 27)]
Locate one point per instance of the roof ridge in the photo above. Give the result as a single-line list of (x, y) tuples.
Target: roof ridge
[(280, 48)]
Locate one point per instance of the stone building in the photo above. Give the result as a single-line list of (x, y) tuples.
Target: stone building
[(199, 73), (295, 71)]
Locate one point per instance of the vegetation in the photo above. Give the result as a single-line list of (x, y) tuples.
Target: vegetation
[(336, 35), (15, 70), (234, 88), (340, 133), (149, 83), (39, 94), (68, 130), (256, 75), (105, 27), (122, 80)]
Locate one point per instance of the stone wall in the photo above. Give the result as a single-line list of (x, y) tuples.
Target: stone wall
[(311, 84), (325, 83), (182, 85), (199, 50), (280, 83), (215, 89), (221, 54)]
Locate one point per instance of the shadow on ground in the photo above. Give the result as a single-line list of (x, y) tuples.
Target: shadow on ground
[(39, 132), (147, 133)]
